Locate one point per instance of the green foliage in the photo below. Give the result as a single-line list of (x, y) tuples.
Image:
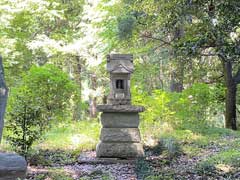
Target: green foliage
[(171, 146), (52, 86), (51, 157), (34, 32), (194, 104), (24, 121), (168, 146), (125, 26), (40, 97), (53, 173), (143, 169)]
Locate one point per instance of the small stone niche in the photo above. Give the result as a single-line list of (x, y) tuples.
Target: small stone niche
[(120, 135), (120, 67)]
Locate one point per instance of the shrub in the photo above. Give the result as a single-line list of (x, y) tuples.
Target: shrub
[(42, 95), (193, 105)]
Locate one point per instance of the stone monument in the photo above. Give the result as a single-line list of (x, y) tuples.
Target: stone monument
[(120, 136)]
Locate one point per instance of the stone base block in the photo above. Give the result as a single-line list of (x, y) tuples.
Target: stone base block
[(120, 120), (119, 150), (12, 166), (120, 135)]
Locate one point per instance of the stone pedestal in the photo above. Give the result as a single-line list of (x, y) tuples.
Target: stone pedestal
[(120, 136)]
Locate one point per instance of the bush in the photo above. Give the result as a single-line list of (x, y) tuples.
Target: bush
[(42, 95), (193, 105)]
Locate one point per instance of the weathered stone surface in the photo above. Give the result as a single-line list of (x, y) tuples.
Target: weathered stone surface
[(12, 166), (90, 158), (125, 60), (120, 150), (119, 108), (120, 120), (120, 135)]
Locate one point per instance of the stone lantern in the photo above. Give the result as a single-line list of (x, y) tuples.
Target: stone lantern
[(120, 136)]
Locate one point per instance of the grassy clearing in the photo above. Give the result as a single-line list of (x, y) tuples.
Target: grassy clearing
[(77, 136), (63, 143), (70, 136), (51, 173), (193, 139), (205, 152), (214, 150), (80, 135)]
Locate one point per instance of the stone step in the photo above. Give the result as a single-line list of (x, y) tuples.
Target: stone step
[(119, 150), (120, 135)]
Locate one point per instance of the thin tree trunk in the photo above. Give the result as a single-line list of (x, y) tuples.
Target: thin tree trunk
[(92, 98), (3, 97), (78, 78), (177, 77), (230, 101), (79, 75)]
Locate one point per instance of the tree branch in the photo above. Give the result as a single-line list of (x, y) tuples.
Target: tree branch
[(215, 80), (209, 54), (158, 39)]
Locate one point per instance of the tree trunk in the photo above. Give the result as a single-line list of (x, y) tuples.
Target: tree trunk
[(92, 98), (230, 101), (77, 111), (176, 85), (79, 75), (178, 74), (230, 114), (3, 97)]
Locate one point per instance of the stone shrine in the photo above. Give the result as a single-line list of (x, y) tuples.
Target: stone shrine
[(120, 135)]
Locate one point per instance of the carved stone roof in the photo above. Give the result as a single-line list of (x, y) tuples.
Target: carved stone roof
[(120, 63)]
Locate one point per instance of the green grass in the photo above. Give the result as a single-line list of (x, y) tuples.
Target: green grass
[(72, 135), (63, 143), (225, 160), (193, 138), (53, 173), (69, 135)]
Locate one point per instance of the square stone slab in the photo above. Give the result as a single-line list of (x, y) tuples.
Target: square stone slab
[(119, 150), (120, 135), (120, 120), (90, 158)]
